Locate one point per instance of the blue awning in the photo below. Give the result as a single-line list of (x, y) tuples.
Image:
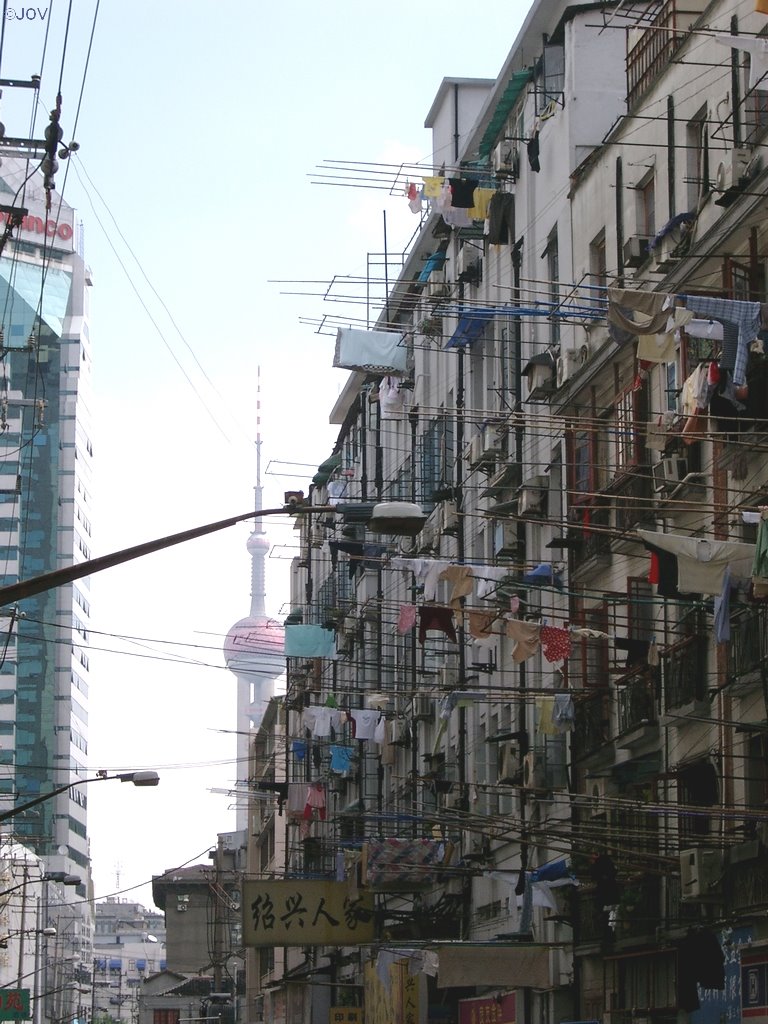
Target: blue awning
[(141, 965), (471, 326), (115, 964)]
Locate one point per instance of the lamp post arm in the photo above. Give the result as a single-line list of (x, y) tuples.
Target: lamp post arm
[(59, 577), (20, 808)]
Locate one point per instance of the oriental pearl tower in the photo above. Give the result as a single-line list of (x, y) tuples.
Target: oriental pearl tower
[(253, 649)]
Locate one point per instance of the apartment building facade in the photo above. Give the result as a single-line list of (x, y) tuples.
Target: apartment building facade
[(532, 728)]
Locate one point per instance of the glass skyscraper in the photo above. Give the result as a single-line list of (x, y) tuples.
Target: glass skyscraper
[(45, 495)]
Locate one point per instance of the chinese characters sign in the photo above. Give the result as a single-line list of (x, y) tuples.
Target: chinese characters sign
[(346, 1015), (305, 913), (14, 1004), (500, 1010)]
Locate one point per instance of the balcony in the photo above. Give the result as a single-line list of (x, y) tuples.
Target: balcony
[(594, 548), (636, 700), (684, 673), (747, 886), (652, 52), (590, 732), (748, 647)]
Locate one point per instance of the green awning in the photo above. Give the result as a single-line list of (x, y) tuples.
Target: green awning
[(325, 470), (515, 86)]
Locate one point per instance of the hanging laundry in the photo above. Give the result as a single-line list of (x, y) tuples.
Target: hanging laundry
[(364, 722), (555, 643), (663, 571), (463, 581), (701, 562), (532, 148), (760, 560), (564, 712), (544, 574), (391, 399), (415, 202), (526, 636), (722, 610), (320, 719), (662, 347), (457, 217), (433, 187), (341, 759), (309, 641), (487, 578), (406, 619), (639, 312), (757, 48), (297, 799), (480, 626), (544, 709), (501, 219), (433, 617), (315, 801), (637, 650), (654, 658), (462, 192), (480, 202), (299, 749), (745, 315)]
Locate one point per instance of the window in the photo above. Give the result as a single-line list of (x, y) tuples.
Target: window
[(646, 206), (598, 267), (166, 1016), (552, 254), (627, 437), (697, 141), (697, 787)]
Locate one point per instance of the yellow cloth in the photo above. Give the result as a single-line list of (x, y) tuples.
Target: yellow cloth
[(481, 198), (432, 187), (546, 705), (656, 348)]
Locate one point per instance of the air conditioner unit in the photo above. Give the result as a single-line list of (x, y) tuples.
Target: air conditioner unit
[(505, 159), (437, 286), (468, 261), (448, 519), (570, 362), (508, 770), (533, 771), (669, 472), (447, 677), (532, 496), (732, 171), (484, 448), (636, 250), (539, 379), (423, 708), (316, 536), (505, 539), (700, 873)]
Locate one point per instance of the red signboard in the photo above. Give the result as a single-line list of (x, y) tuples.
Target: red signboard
[(489, 1010)]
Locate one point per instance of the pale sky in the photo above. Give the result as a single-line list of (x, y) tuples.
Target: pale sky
[(200, 128)]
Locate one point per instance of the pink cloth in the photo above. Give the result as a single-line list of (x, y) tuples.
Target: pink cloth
[(407, 619)]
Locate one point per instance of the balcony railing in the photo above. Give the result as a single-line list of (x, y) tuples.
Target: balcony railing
[(684, 671), (747, 886), (748, 646), (590, 730), (636, 699), (652, 52)]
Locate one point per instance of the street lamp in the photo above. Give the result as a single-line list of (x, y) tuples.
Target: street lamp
[(141, 778)]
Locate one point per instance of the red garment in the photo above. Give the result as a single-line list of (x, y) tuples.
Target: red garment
[(555, 643), (439, 618), (407, 619), (653, 571), (315, 801)]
